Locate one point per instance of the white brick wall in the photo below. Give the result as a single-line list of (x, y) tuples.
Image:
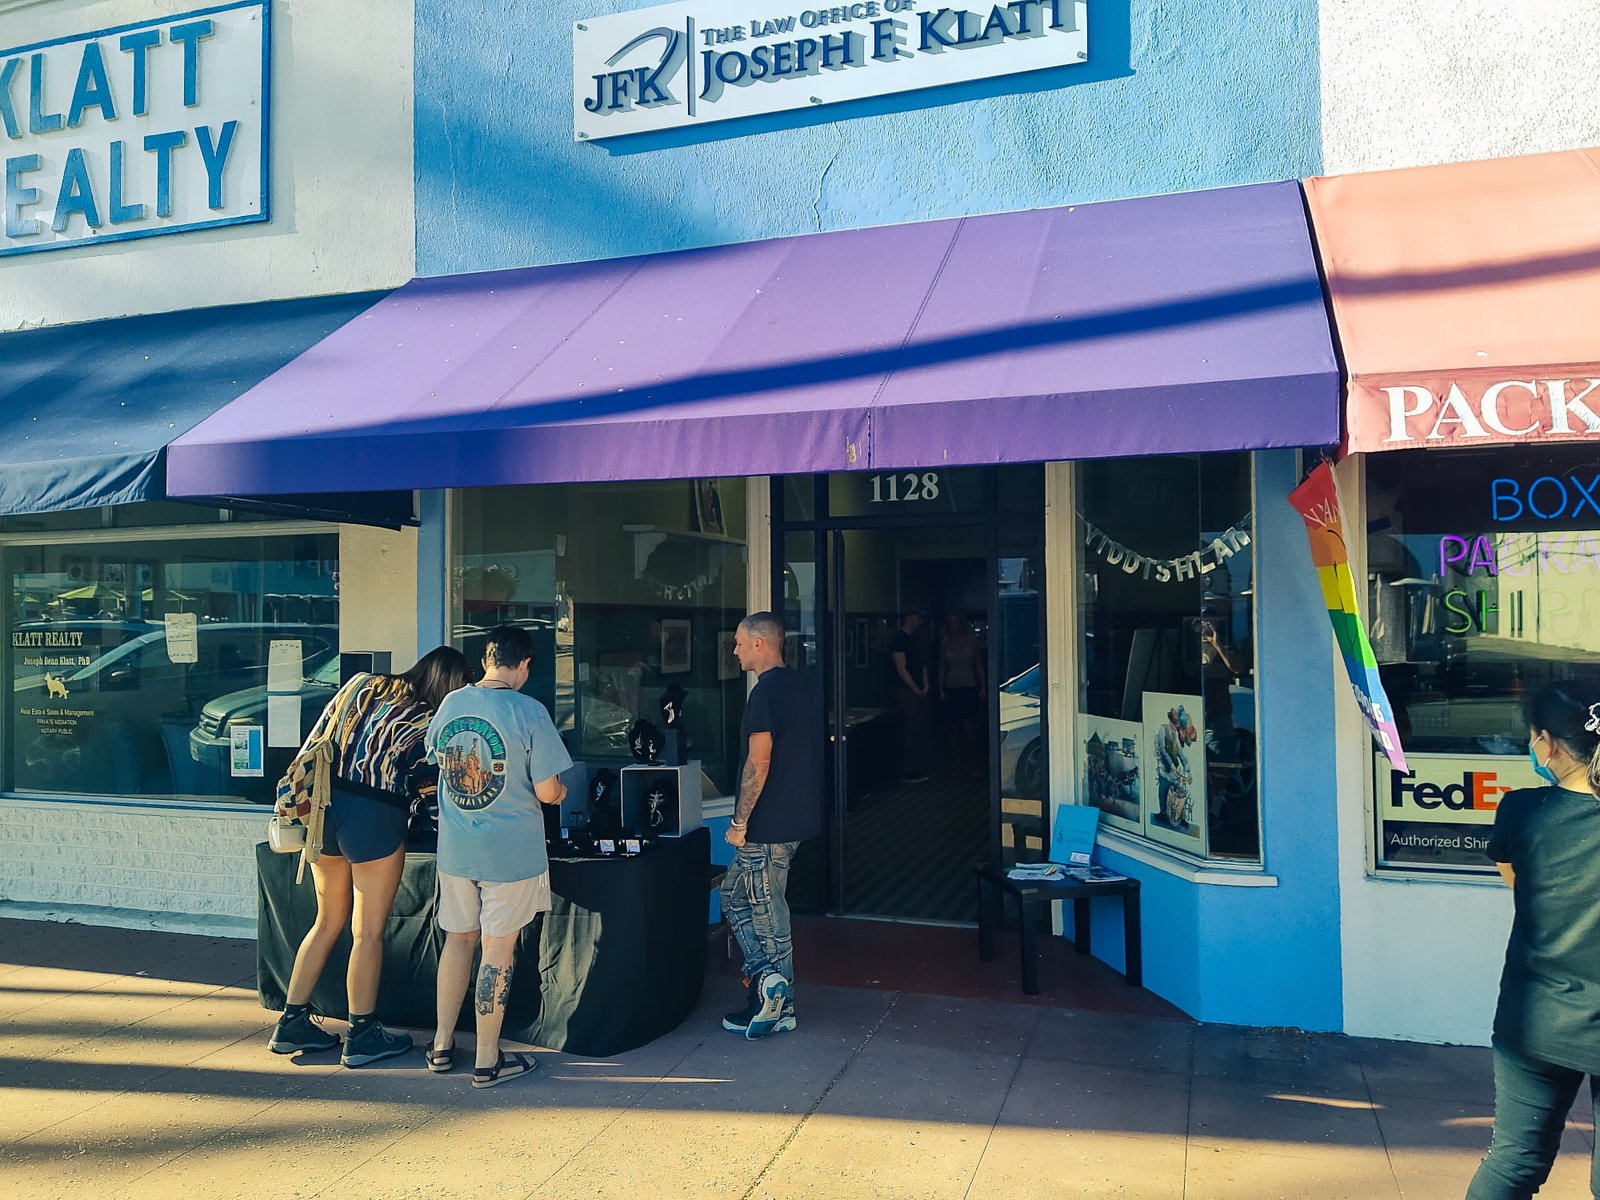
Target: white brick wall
[(162, 861)]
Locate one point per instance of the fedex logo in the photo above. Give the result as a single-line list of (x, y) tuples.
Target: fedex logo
[(1478, 792)]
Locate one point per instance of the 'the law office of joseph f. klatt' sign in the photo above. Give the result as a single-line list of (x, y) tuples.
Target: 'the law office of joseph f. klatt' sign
[(708, 60), (146, 129)]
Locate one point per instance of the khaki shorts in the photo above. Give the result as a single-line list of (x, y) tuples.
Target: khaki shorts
[(497, 909)]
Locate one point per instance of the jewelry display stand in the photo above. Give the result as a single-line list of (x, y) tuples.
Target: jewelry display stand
[(679, 813)]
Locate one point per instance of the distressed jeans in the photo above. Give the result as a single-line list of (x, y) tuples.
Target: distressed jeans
[(1531, 1100), (756, 908)]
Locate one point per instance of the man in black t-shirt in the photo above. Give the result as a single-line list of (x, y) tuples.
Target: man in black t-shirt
[(779, 806), (909, 662)]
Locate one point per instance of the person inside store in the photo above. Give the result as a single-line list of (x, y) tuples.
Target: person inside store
[(1546, 1040), (779, 806), (1222, 664), (909, 661), (961, 688), (500, 760), (380, 768)]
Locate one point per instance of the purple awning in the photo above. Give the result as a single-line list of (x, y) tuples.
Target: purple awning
[(1171, 324)]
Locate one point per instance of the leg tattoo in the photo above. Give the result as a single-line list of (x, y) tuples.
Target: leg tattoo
[(494, 985)]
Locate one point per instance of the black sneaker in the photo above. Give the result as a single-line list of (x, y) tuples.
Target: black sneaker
[(294, 1034), (374, 1044)]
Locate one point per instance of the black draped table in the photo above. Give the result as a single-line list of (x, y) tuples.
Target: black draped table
[(620, 957)]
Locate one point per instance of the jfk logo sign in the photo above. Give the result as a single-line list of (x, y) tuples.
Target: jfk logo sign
[(131, 132), (709, 60)]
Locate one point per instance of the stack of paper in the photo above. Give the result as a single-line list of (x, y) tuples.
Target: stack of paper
[(1036, 873)]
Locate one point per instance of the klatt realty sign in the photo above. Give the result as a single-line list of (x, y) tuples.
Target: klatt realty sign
[(159, 127), (709, 60)]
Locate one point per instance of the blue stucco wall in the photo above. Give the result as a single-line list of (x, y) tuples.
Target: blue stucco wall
[(1263, 955), (1174, 97)]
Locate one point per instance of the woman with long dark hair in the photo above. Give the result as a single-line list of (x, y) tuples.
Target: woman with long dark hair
[(379, 765), (1547, 1023)]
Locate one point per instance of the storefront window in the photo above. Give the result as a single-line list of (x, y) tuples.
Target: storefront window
[(1166, 725), (140, 667), (1482, 573), (632, 592)]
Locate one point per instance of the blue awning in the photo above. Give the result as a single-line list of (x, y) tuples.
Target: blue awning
[(87, 411)]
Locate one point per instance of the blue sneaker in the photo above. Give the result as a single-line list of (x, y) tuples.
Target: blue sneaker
[(773, 992)]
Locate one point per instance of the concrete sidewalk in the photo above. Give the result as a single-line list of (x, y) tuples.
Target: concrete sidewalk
[(134, 1065)]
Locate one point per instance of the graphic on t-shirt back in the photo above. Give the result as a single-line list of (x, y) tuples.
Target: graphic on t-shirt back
[(472, 762)]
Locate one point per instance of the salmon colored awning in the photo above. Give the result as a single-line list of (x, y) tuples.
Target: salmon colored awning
[(1467, 300)]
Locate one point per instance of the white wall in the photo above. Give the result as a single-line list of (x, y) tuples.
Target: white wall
[(145, 866), (1416, 82), (343, 218), (1421, 958)]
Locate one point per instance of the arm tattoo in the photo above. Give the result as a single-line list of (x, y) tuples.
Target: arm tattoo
[(494, 985), (750, 785)]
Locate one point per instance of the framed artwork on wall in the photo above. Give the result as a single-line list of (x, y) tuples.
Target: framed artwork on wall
[(676, 646), (727, 662), (708, 508)]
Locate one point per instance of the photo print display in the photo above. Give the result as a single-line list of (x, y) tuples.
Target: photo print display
[(1112, 754), (1174, 751)]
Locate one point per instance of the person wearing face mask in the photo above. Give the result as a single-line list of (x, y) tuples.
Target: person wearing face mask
[(1546, 841)]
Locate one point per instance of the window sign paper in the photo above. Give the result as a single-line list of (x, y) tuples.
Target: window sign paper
[(285, 671), (701, 61), (135, 131), (183, 637), (246, 748)]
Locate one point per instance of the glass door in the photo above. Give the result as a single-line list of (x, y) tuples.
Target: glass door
[(1016, 649), (923, 624), (911, 609)]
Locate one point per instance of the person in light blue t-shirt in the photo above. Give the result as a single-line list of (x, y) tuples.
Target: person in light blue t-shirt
[(499, 759)]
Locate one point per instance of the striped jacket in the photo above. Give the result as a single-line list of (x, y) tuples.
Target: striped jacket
[(382, 745)]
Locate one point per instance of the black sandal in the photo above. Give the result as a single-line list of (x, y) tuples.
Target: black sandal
[(510, 1066), (441, 1061)]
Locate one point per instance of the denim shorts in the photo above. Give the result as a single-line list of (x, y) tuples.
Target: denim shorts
[(362, 829)]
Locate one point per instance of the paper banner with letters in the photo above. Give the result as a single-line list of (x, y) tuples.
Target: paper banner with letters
[(1317, 502)]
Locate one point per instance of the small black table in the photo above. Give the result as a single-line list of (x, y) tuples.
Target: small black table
[(616, 963), (994, 885)]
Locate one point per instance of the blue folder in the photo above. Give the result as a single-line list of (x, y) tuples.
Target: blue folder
[(1072, 838)]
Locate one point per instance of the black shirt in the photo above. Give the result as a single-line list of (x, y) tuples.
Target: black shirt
[(1550, 989), (911, 646), (789, 808)]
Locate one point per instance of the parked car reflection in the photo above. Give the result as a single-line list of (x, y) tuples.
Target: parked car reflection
[(211, 741), (1021, 751)]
